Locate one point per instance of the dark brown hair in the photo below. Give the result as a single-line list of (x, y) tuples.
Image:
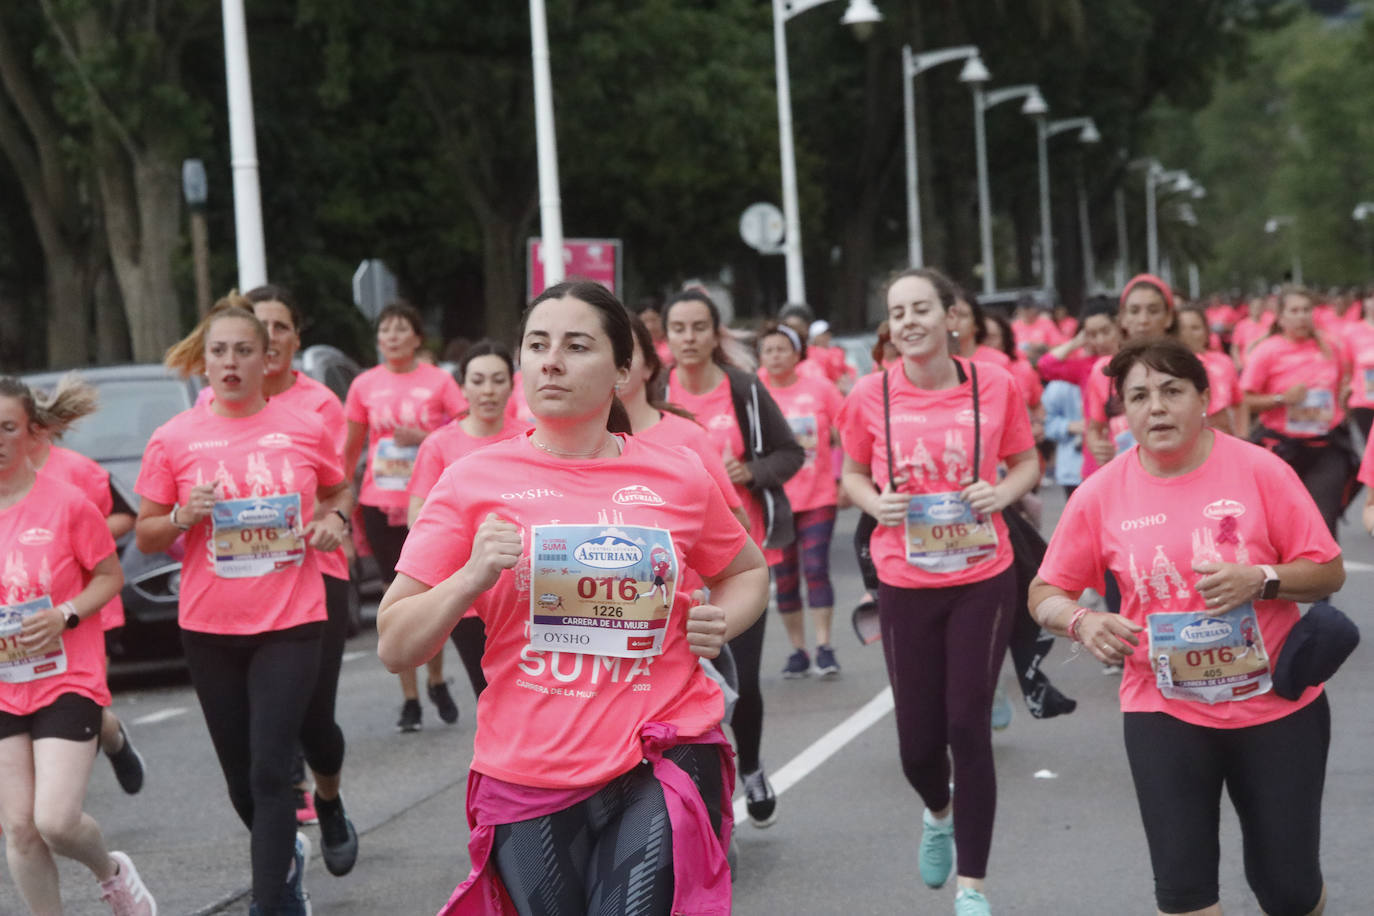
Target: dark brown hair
[(272, 292), (696, 295), (776, 327), (944, 286), (1163, 354), (484, 347), (406, 311), (615, 321), (656, 384)]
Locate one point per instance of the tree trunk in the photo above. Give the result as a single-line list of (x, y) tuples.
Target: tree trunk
[(111, 326), (503, 251)]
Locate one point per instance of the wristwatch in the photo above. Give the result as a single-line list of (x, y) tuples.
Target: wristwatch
[(1270, 590), (348, 526), (172, 517), (73, 618)]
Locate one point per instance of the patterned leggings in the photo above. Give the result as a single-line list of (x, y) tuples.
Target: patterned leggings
[(814, 528)]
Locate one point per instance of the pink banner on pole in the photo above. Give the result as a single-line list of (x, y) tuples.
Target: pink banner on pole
[(593, 259)]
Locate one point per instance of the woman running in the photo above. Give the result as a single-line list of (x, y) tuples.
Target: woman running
[(53, 461), (600, 776), (1357, 342), (1207, 535), (922, 444), (256, 488), (1223, 381), (61, 568), (744, 423), (1293, 380), (392, 407), (484, 375), (811, 407), (275, 308)]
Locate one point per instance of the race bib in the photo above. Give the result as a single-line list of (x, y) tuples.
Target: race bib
[(604, 590), (256, 536), (1313, 416), (1369, 381), (944, 535), (1121, 433), (1209, 658), (393, 464), (804, 431), (17, 664)]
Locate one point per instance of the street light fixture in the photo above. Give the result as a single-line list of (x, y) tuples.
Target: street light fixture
[(1272, 225), (1087, 133), (862, 16), (1155, 176), (1034, 106), (912, 66)]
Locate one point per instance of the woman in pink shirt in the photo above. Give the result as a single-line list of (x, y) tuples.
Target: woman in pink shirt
[(922, 442), (1212, 541), (1252, 328), (392, 407), (1222, 377), (812, 407), (599, 774), (61, 568), (1294, 381), (484, 375), (1358, 344), (255, 488)]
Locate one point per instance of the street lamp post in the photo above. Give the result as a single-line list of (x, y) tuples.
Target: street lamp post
[(243, 150), (982, 101), (1155, 176), (546, 147), (912, 66), (1272, 226), (862, 15), (1087, 133)]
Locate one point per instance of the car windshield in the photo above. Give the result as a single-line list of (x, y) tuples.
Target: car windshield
[(130, 412)]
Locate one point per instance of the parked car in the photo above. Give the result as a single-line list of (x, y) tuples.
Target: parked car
[(134, 401), (858, 350)]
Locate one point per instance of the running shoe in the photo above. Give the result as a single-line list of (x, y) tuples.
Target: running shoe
[(338, 837), (297, 900), (969, 902), (410, 716), (440, 697), (127, 763), (936, 855), (1001, 709), (125, 891), (826, 665), (798, 665), (760, 801), (305, 808)]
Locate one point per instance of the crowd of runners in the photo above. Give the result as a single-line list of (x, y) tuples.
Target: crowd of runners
[(600, 517)]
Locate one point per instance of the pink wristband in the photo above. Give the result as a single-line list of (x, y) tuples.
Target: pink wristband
[(1073, 624)]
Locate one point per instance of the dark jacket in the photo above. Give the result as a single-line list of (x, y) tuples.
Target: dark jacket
[(771, 452)]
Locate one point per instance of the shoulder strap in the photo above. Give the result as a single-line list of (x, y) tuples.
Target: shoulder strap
[(977, 422), (887, 430)]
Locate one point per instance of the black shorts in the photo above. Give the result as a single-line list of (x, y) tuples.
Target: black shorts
[(70, 717)]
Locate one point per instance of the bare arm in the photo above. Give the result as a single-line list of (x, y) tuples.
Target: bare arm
[(740, 593), (353, 447), (47, 626)]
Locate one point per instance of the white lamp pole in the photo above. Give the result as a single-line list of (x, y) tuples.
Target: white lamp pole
[(1155, 176), (862, 15), (1087, 133), (546, 146), (912, 66), (1035, 106), (243, 150)]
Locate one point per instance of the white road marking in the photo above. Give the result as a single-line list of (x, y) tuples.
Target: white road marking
[(354, 656), (1357, 566), (162, 715), (824, 747)]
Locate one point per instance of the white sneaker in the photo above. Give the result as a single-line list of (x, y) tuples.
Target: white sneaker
[(125, 891)]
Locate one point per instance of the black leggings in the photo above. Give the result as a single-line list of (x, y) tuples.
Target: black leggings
[(253, 691), (1274, 774), (1324, 470), (385, 539), (328, 746), (470, 639), (944, 649), (609, 854), (747, 722)]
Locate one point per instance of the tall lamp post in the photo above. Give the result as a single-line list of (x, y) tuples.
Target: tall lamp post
[(546, 147), (1155, 176), (862, 15), (1087, 133), (243, 150), (1034, 106), (1272, 225), (912, 66)]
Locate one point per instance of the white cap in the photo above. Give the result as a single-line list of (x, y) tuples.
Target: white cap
[(818, 327)]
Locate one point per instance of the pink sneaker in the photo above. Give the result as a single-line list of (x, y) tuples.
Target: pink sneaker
[(125, 892), (305, 808)]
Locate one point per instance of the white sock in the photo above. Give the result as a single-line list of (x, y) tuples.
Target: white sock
[(934, 821)]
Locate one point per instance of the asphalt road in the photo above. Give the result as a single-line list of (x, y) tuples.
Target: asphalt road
[(1068, 837)]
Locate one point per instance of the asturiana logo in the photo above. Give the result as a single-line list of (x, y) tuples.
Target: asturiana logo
[(636, 495), (608, 553), (257, 515), (946, 511), (1224, 508), (275, 440), (1208, 629), (36, 537)]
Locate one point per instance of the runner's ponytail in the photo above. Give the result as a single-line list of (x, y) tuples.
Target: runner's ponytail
[(72, 399), (187, 356)]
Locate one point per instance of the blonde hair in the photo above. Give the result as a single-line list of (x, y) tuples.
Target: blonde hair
[(54, 412), (187, 356)]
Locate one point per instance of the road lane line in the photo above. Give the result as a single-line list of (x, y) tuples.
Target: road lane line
[(354, 656), (162, 715), (824, 747), (1357, 566)]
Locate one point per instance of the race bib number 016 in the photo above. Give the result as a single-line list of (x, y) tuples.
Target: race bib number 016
[(604, 590), (943, 534), (257, 535), (17, 665), (393, 464), (1209, 658)]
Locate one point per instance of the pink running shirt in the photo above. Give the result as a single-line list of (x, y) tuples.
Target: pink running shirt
[(680, 431), (52, 539), (1358, 342), (555, 719), (715, 411), (277, 451), (812, 408), (1277, 364), (426, 397), (93, 480), (1247, 332), (1242, 505), (932, 434), (446, 445), (1223, 381)]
